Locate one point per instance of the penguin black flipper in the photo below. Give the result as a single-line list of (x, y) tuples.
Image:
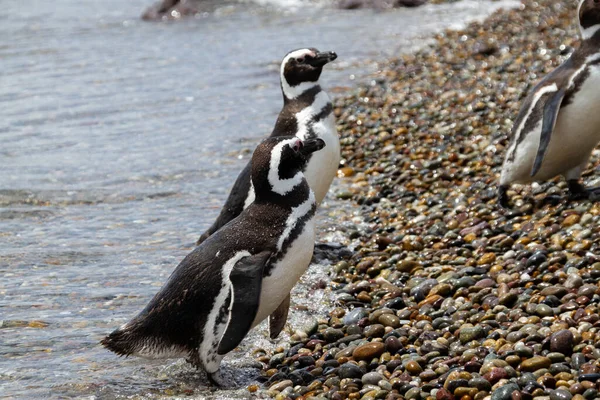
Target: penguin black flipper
[(278, 318), (246, 283), (550, 115), (234, 204)]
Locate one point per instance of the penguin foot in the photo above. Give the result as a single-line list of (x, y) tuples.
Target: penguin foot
[(579, 192), (551, 199), (217, 379), (503, 199)]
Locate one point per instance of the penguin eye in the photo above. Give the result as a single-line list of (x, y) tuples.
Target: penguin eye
[(297, 146), (300, 60)]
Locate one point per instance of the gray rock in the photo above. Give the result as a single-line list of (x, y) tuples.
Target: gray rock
[(349, 370), (310, 327), (504, 392), (421, 291), (560, 394), (278, 387), (577, 360), (573, 281), (480, 384), (371, 378), (331, 335), (412, 394), (469, 334), (276, 360), (355, 315), (544, 310)]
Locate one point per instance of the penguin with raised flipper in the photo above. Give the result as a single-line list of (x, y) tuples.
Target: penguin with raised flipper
[(558, 126), (307, 113), (237, 277)]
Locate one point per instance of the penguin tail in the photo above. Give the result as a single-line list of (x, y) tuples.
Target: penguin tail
[(130, 341), (122, 341)]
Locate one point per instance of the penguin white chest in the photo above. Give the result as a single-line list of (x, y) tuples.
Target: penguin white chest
[(323, 165), (286, 272)]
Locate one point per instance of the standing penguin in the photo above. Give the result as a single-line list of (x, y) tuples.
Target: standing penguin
[(240, 275), (558, 125), (307, 113)]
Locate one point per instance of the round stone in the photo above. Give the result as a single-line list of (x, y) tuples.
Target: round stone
[(390, 320), (349, 370), (392, 344), (562, 342), (368, 351), (331, 335), (544, 310), (278, 387), (534, 363), (469, 334), (505, 392), (413, 367), (376, 330), (560, 394), (413, 394), (355, 315), (371, 378)]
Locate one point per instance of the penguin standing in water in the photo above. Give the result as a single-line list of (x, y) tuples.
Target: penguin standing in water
[(240, 275), (307, 113), (559, 125)]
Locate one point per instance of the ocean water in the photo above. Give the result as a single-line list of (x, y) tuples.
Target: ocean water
[(119, 140)]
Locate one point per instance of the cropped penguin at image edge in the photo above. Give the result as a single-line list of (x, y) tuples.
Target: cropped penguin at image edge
[(237, 277), (307, 113), (559, 123)]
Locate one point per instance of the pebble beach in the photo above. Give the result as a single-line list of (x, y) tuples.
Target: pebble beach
[(443, 295)]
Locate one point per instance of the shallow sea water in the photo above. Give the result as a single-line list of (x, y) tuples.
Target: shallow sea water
[(119, 142)]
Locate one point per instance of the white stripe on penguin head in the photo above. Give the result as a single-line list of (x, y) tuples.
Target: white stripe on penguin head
[(282, 186), (291, 92)]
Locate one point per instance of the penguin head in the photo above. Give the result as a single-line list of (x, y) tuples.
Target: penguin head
[(589, 17), (301, 69), (277, 164)]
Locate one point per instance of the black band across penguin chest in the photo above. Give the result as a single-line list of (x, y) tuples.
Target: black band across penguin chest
[(291, 236)]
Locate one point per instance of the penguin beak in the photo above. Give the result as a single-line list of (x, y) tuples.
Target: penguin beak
[(322, 58), (311, 145)]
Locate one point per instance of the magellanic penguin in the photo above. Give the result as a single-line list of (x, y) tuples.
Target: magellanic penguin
[(559, 125), (237, 277), (307, 113)]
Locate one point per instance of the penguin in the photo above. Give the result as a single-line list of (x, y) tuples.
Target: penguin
[(558, 126), (237, 277), (307, 113)]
